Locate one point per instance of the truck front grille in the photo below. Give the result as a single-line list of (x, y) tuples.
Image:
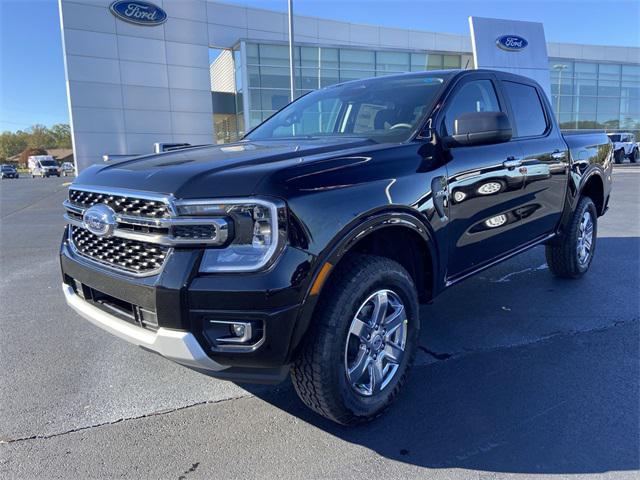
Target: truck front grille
[(129, 255), (124, 205)]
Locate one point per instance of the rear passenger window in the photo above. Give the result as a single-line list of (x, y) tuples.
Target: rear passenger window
[(527, 109)]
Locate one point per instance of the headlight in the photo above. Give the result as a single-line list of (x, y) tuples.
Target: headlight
[(255, 234)]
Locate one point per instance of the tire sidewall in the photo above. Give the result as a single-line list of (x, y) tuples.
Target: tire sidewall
[(401, 284), (585, 205)]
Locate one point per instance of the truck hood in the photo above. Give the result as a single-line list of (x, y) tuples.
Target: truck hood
[(216, 170)]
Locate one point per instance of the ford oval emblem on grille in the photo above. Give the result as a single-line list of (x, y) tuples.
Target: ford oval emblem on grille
[(511, 43), (100, 220), (138, 12)]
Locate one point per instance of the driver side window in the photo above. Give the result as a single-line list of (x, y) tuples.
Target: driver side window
[(474, 96)]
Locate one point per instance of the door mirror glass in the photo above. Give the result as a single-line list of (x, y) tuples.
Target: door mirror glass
[(479, 128)]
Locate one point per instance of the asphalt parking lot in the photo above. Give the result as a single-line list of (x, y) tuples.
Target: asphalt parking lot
[(519, 375)]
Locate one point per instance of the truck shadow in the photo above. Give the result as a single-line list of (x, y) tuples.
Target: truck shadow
[(563, 402)]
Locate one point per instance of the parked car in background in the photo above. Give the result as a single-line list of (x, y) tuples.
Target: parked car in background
[(8, 171), (68, 169), (308, 246), (624, 146), (43, 166)]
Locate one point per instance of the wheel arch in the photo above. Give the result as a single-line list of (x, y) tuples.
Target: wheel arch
[(371, 234), (592, 186)]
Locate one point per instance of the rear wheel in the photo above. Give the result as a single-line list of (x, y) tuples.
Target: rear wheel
[(362, 343), (572, 256), (634, 155)]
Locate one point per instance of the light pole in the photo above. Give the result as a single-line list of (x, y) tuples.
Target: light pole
[(292, 72), (559, 67)]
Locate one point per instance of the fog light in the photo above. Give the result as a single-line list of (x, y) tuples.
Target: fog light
[(238, 329)]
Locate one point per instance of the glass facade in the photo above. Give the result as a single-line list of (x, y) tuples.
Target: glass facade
[(595, 95), (317, 67), (584, 95)]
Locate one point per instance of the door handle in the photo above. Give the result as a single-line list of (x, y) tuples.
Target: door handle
[(512, 162)]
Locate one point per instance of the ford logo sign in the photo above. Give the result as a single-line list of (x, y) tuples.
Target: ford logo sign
[(511, 43), (138, 12), (100, 220)]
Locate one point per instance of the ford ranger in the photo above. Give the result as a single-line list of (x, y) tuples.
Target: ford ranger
[(308, 246)]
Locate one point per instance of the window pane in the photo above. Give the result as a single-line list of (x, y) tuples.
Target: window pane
[(254, 76), (329, 58), (392, 61), (329, 77), (585, 104), (562, 104), (346, 75), (309, 56), (252, 54), (557, 65), (254, 99), (527, 109), (608, 120), (631, 72), (630, 89), (276, 55), (451, 61), (476, 96), (274, 99), (608, 105), (308, 78), (586, 87), (609, 72), (562, 85), (418, 62), (357, 59), (434, 62), (608, 88), (630, 106), (586, 70), (274, 77)]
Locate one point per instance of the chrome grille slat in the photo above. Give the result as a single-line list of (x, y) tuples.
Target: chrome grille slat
[(131, 256), (121, 204)]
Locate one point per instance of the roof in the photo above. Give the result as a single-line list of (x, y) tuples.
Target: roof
[(60, 153)]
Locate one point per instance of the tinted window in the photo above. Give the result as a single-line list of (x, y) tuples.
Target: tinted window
[(475, 96), (527, 109)]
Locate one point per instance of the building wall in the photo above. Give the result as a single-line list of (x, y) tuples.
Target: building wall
[(129, 85)]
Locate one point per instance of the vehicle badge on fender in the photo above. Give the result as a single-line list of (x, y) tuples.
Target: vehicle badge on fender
[(138, 12), (100, 220), (511, 43)]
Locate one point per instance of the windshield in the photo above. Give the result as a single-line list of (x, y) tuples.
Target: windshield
[(7, 167), (614, 138), (380, 109), (48, 163)]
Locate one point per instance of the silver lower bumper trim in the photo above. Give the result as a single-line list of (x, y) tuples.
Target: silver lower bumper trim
[(179, 346)]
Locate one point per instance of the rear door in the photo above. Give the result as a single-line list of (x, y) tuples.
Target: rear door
[(484, 182), (545, 161)]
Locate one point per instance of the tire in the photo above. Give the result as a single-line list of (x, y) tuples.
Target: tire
[(618, 156), (563, 258), (320, 373), (634, 155)]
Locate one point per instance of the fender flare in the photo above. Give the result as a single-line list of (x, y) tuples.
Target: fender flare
[(343, 242)]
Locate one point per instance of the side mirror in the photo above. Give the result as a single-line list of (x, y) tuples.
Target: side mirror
[(480, 128)]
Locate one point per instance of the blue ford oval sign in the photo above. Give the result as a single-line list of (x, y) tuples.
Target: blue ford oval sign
[(512, 43), (138, 12)]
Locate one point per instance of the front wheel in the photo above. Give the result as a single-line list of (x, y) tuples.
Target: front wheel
[(572, 256), (618, 156), (362, 342)]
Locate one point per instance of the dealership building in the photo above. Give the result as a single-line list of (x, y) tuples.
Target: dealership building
[(140, 73)]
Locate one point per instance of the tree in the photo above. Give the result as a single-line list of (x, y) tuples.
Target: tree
[(62, 134), (41, 137), (11, 144)]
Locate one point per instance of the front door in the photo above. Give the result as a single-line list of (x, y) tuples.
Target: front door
[(485, 184)]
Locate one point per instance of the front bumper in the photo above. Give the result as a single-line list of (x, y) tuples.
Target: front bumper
[(184, 301), (179, 346)]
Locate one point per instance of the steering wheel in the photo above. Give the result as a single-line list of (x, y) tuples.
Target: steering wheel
[(400, 125)]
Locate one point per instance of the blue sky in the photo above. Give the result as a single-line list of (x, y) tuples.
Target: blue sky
[(32, 87)]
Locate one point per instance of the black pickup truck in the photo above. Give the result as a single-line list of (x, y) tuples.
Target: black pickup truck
[(308, 246)]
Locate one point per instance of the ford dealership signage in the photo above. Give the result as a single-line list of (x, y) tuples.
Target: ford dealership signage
[(511, 43), (138, 12)]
